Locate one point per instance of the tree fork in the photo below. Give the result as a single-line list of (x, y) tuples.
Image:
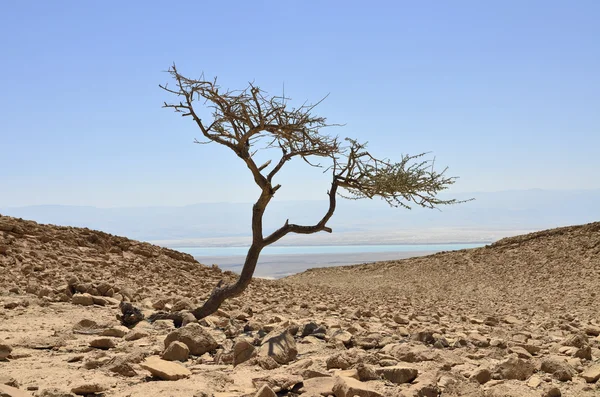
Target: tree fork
[(244, 118)]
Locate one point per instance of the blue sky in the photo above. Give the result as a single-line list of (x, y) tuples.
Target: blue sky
[(506, 93)]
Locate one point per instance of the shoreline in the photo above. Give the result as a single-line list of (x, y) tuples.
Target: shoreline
[(276, 266)]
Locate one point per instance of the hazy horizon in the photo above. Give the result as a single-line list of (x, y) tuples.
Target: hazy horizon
[(490, 217)]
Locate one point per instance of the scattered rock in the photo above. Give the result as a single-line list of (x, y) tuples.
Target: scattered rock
[(9, 391), (135, 334), (118, 331), (88, 388), (5, 351), (398, 374), (558, 367), (176, 351), (514, 368), (320, 386), (165, 370), (103, 343), (197, 339), (265, 391), (591, 374), (277, 381), (242, 352), (280, 346), (349, 387), (82, 299)]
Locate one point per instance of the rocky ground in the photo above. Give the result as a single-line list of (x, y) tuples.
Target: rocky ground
[(517, 318)]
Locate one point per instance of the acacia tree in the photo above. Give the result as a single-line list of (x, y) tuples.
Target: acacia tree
[(249, 119)]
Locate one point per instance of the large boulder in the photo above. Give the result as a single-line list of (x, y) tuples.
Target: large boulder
[(195, 337)]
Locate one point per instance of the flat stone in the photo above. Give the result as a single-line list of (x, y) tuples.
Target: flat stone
[(118, 332), (398, 374), (265, 391), (88, 388), (515, 368), (592, 374), (277, 381), (166, 370), (83, 299), (9, 391), (349, 387), (319, 386), (282, 347), (135, 335), (103, 343), (9, 381)]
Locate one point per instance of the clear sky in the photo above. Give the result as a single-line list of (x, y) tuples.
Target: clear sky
[(506, 93)]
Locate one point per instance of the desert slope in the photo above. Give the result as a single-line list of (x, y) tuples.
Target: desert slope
[(517, 318), (555, 271)]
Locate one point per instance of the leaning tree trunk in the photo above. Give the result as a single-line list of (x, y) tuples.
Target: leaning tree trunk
[(220, 294)]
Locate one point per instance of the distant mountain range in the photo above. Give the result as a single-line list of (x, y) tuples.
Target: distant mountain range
[(491, 216)]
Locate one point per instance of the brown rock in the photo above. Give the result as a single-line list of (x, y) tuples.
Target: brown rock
[(281, 347), (482, 375), (103, 343), (265, 391), (558, 367), (9, 381), (54, 392), (552, 392), (366, 372), (398, 374), (321, 386), (337, 360), (119, 331), (88, 388), (82, 299), (135, 334), (9, 391), (278, 381), (176, 351), (591, 374), (514, 368), (511, 390), (5, 350), (349, 387), (197, 339), (243, 351), (592, 330), (166, 370)]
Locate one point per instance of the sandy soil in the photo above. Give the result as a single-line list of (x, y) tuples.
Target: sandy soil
[(517, 318)]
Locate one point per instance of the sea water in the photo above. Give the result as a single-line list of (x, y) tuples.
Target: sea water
[(280, 261)]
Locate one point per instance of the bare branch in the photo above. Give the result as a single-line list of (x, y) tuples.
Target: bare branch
[(250, 120)]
